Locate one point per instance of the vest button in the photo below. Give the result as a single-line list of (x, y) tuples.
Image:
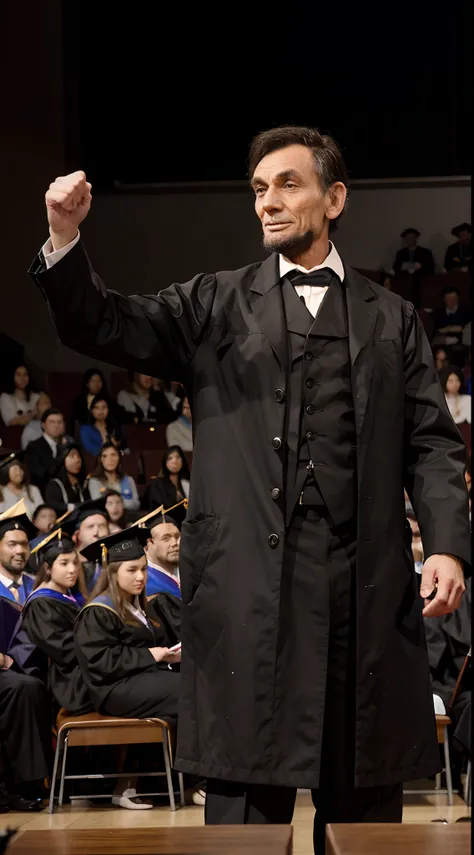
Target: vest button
[(279, 395), (276, 493), (273, 541), (308, 355), (276, 442), (310, 410), (309, 383), (309, 435)]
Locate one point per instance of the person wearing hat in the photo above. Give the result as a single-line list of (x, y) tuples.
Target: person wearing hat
[(413, 258), (123, 654), (87, 524), (14, 485), (459, 255), (48, 619), (25, 721)]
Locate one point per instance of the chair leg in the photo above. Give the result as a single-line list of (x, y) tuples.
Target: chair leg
[(467, 785), (181, 789), (59, 743), (63, 770), (169, 778), (447, 763), (438, 781)]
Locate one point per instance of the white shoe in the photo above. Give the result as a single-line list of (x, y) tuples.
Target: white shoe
[(199, 797), (129, 800)]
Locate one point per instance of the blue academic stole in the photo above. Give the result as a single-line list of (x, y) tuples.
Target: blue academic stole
[(161, 583), (52, 595)]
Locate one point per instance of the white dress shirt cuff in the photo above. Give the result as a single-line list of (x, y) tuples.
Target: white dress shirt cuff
[(52, 256)]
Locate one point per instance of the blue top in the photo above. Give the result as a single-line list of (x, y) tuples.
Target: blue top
[(91, 439), (160, 583)]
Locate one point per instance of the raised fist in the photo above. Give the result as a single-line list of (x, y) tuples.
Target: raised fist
[(67, 202)]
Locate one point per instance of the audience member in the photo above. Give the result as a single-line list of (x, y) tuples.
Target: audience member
[(48, 618), (93, 384), (162, 587), (101, 428), (85, 525), (16, 530), (385, 280), (41, 453), (412, 258), (144, 404), (33, 429), (459, 254), (441, 362), (459, 404), (14, 485), (116, 510), (68, 487), (172, 484), (109, 476), (18, 404), (44, 519), (173, 392), (180, 432), (450, 321), (123, 655)]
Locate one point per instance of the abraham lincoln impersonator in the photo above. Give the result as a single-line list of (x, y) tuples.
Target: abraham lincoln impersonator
[(315, 402)]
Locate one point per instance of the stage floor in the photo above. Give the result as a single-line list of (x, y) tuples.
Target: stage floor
[(417, 808)]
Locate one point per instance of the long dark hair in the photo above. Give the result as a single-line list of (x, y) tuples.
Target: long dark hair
[(100, 471), (109, 422), (91, 372), (107, 584), (60, 470), (458, 374), (62, 547), (11, 385), (164, 472), (5, 477)]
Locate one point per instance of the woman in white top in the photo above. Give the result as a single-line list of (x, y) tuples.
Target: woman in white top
[(180, 432), (459, 405), (14, 486), (109, 476), (18, 406)]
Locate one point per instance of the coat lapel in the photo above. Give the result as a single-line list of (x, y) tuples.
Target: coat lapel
[(362, 317), (267, 305)]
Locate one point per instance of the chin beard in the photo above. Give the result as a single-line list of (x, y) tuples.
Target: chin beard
[(289, 246)]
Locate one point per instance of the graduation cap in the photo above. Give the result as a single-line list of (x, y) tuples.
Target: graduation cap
[(14, 457), (464, 227), (54, 542), (123, 546), (16, 518), (410, 232), (71, 522), (159, 516)]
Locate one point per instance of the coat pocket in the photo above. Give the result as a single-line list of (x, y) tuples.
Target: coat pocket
[(197, 539)]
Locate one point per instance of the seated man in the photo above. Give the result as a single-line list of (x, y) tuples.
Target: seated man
[(459, 254), (41, 453), (86, 524), (162, 551), (412, 258), (15, 532), (450, 321), (44, 519)]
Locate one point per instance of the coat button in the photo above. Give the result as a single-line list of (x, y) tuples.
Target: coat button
[(273, 541), (310, 410), (309, 383), (279, 395), (276, 442), (276, 493), (309, 435), (308, 355)]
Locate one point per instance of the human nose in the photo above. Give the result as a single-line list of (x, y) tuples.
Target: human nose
[(271, 200)]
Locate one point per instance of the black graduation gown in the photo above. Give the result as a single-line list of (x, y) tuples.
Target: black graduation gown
[(457, 256), (122, 677), (49, 624), (166, 608)]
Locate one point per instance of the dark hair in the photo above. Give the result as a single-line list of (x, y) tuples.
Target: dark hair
[(105, 495), (53, 411), (458, 375), (164, 473), (42, 508), (107, 584), (91, 372), (163, 519), (99, 471), (450, 289), (109, 422), (11, 385), (60, 469), (5, 477), (329, 162), (64, 547)]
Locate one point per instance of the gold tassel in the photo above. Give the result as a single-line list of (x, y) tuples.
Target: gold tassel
[(104, 555), (143, 520), (46, 540), (182, 502)]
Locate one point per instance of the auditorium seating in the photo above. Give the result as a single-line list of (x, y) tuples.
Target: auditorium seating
[(93, 729)]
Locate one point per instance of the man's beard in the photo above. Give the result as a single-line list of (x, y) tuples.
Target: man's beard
[(292, 246), (14, 569)]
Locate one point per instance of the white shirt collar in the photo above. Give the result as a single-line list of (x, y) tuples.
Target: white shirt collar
[(5, 580), (333, 261), (162, 570), (52, 444)]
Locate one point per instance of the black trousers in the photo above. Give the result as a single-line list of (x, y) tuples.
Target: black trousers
[(25, 729), (336, 799)]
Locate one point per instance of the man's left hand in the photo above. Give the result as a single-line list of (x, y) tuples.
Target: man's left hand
[(445, 574)]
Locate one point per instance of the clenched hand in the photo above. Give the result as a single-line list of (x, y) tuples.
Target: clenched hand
[(68, 201), (445, 574)]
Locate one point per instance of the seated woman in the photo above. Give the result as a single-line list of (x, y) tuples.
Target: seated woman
[(101, 428), (18, 403), (14, 485), (116, 510), (48, 618), (123, 655), (180, 432), (144, 404), (459, 405), (109, 476), (93, 383), (172, 484), (68, 487)]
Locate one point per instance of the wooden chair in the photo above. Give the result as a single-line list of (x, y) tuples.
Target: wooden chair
[(442, 724), (95, 729)]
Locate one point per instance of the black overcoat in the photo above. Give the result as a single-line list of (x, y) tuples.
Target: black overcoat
[(224, 337)]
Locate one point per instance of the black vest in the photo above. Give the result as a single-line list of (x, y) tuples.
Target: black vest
[(320, 418)]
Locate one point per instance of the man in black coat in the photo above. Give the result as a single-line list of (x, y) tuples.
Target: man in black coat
[(316, 394), (459, 255), (413, 258), (41, 453)]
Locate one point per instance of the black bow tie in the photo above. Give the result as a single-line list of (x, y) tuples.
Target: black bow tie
[(321, 278)]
